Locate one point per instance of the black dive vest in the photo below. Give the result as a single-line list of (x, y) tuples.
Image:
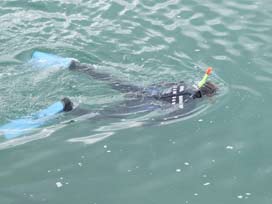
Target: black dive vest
[(176, 94)]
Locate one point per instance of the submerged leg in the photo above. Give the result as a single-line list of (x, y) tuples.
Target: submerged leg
[(42, 60), (113, 83)]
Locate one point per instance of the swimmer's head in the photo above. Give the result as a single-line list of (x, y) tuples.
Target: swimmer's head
[(208, 89)]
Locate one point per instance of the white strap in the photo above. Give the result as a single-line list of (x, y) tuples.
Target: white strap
[(181, 88), (181, 102)]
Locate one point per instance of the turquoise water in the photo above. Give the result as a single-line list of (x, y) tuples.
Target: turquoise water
[(219, 155)]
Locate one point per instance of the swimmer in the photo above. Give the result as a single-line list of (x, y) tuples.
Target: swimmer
[(180, 97)]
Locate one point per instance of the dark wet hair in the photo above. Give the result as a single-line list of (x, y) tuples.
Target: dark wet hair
[(208, 89)]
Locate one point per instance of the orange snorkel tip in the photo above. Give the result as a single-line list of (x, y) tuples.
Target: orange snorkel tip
[(205, 77), (209, 70)]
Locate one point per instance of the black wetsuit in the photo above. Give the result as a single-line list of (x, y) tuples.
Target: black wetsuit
[(176, 96)]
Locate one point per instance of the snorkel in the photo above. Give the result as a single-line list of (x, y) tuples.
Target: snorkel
[(205, 77), (199, 89)]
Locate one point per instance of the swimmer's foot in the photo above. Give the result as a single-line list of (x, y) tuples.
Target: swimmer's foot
[(67, 104), (74, 64)]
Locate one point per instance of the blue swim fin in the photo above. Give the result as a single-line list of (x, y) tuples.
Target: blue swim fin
[(19, 127), (44, 60)]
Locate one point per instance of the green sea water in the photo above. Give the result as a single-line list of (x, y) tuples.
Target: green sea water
[(220, 155)]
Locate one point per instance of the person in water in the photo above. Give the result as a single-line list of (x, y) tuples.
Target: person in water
[(178, 97), (163, 96)]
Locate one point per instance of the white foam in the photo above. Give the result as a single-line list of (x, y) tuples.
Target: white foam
[(229, 147), (206, 184), (59, 184), (240, 196)]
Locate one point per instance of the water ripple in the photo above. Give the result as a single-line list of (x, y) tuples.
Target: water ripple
[(143, 42)]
